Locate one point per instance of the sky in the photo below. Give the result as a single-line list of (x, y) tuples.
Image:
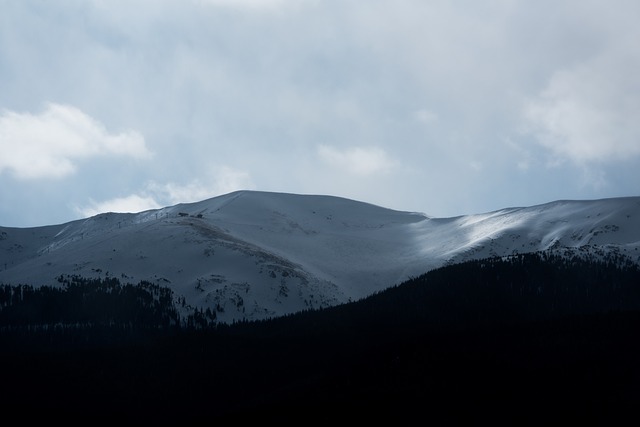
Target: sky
[(442, 107)]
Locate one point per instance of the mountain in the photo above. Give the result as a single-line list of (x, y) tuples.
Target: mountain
[(255, 255)]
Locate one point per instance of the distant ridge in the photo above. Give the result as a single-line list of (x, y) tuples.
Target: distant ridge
[(255, 255)]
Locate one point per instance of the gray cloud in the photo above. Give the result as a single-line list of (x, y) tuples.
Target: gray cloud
[(154, 195), (589, 113), (47, 144), (357, 160), (446, 108)]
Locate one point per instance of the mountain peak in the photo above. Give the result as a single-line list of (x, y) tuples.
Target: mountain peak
[(254, 254)]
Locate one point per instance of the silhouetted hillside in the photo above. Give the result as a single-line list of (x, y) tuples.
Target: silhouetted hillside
[(503, 340)]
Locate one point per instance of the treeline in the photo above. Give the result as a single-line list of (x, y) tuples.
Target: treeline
[(524, 287), (487, 293), (93, 310), (81, 301)]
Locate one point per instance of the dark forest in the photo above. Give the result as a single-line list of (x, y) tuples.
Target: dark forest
[(518, 340)]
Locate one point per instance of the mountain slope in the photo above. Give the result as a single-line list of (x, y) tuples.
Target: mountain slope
[(254, 255)]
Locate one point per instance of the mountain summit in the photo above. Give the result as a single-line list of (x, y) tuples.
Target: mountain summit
[(254, 255)]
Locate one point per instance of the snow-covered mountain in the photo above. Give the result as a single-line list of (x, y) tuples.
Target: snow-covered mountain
[(254, 255)]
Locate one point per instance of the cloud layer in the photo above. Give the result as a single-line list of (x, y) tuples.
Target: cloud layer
[(441, 107), (589, 112), (357, 160), (49, 144), (223, 180)]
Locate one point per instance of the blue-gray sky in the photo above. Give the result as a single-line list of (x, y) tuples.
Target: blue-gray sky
[(441, 107)]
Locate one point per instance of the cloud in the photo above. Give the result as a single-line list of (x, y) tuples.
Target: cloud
[(425, 116), (357, 160), (380, 102), (49, 144), (589, 112), (129, 204), (250, 4), (224, 180), (257, 5)]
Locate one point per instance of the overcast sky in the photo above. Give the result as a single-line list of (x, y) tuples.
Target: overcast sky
[(441, 107)]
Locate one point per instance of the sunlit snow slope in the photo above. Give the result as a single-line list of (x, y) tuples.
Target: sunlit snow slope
[(253, 255)]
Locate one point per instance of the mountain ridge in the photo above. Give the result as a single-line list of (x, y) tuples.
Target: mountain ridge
[(252, 255)]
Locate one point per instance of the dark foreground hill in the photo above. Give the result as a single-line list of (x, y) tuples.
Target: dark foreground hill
[(523, 340)]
